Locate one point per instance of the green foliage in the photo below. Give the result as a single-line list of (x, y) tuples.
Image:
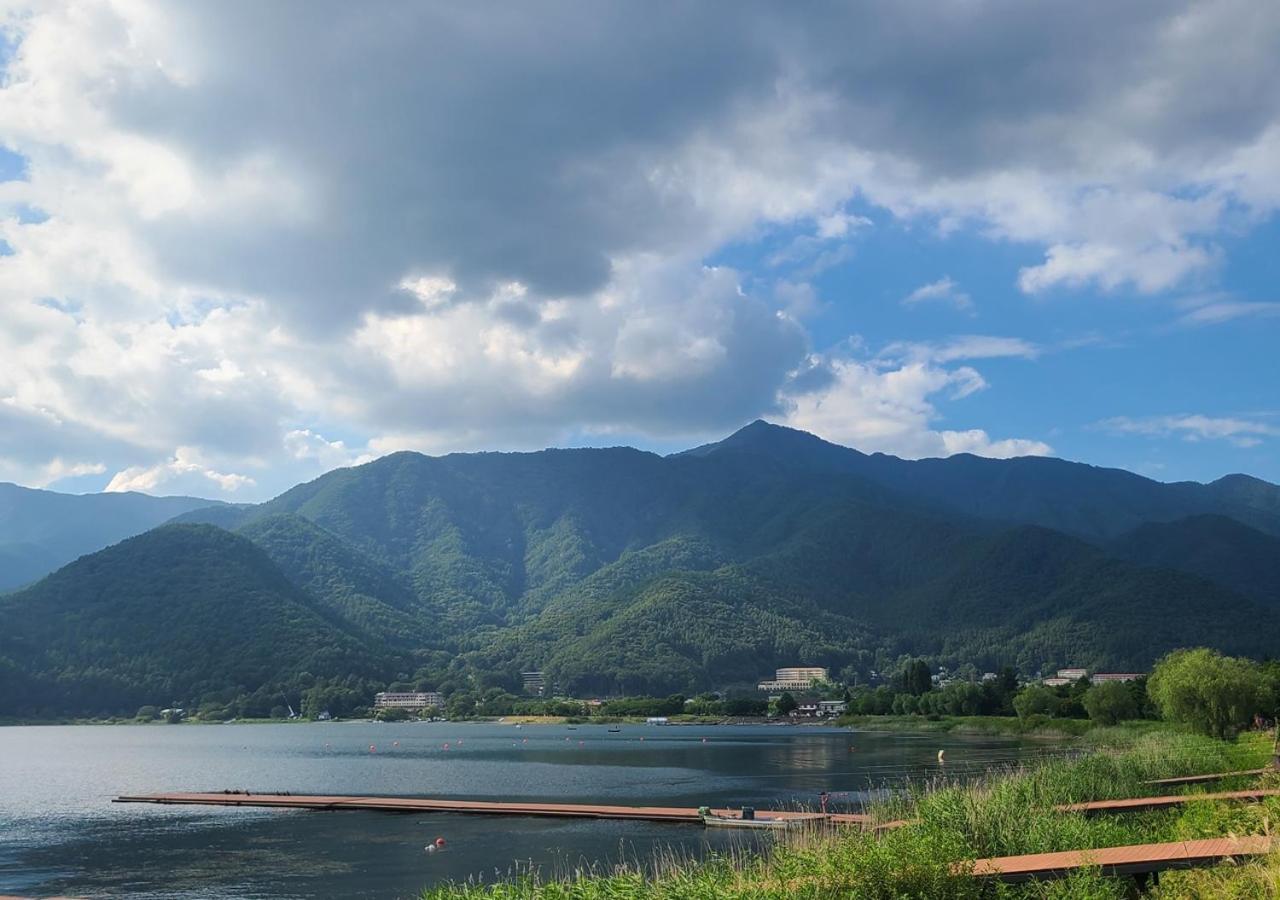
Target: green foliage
[(185, 615), (1036, 700), (1110, 703), (787, 704), (916, 677), (1213, 694)]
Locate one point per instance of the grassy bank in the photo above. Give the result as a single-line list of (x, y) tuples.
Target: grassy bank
[(1006, 813), (1010, 725)]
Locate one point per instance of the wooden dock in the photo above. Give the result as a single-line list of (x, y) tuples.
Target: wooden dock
[(1136, 859), (479, 807), (1205, 779), (1139, 804)]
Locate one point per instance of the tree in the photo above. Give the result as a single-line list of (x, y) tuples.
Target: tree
[(1036, 700), (787, 704), (148, 713), (916, 677), (1210, 693), (1110, 703)]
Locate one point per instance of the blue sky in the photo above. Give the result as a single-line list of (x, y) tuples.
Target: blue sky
[(228, 264)]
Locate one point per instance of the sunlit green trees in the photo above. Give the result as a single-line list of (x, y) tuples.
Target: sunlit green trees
[(1210, 693)]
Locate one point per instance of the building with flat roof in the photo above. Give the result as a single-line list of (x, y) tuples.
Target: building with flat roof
[(1071, 676), (408, 700), (534, 684), (795, 678)]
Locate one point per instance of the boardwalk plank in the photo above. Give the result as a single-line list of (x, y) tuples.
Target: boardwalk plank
[(1136, 859)]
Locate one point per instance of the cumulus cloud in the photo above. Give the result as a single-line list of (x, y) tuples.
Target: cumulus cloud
[(186, 468), (1241, 432), (890, 406), (244, 226)]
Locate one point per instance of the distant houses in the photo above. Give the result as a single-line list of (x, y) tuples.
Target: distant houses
[(1071, 676)]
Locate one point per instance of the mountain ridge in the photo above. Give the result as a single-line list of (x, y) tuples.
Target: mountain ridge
[(617, 570)]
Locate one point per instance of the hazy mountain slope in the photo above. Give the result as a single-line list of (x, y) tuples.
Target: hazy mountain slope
[(177, 614), (1215, 547), (42, 530)]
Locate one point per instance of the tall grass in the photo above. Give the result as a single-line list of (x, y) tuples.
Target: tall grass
[(1004, 813)]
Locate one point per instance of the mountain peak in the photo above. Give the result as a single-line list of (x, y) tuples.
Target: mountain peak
[(768, 439)]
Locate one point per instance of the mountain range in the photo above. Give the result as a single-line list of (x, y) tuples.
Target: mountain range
[(620, 571)]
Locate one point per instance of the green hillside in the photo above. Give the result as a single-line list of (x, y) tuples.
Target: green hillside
[(183, 614), (617, 571)]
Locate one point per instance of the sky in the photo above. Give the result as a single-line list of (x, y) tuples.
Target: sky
[(242, 244)]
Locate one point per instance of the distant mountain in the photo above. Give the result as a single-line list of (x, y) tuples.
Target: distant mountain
[(1215, 547), (1080, 499), (614, 570), (179, 615), (42, 530)]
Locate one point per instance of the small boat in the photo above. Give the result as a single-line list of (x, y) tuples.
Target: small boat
[(614, 729), (758, 823)]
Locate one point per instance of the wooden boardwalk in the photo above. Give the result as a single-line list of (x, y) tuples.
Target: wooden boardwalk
[(1137, 859), (1205, 779), (1138, 804), (479, 807)]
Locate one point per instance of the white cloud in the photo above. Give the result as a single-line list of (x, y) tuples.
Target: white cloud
[(890, 408), (185, 471), (1193, 427), (944, 290), (484, 240), (964, 346), (1219, 310)]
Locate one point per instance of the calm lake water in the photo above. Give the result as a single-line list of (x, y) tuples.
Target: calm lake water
[(60, 833)]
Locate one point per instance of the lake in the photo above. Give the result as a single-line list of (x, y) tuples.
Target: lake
[(60, 833)]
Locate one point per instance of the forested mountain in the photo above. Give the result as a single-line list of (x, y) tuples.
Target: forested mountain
[(1215, 547), (42, 530), (1080, 499), (181, 614), (618, 571)]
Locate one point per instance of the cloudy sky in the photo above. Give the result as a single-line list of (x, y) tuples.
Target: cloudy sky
[(244, 243)]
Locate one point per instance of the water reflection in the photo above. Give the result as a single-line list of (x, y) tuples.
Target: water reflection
[(59, 832)]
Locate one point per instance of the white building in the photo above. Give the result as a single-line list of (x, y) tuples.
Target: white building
[(796, 678), (408, 700), (831, 707)]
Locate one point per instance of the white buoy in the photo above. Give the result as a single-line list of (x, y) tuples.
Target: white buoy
[(940, 756)]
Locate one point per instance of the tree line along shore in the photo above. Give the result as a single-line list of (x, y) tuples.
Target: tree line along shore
[(1209, 706)]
